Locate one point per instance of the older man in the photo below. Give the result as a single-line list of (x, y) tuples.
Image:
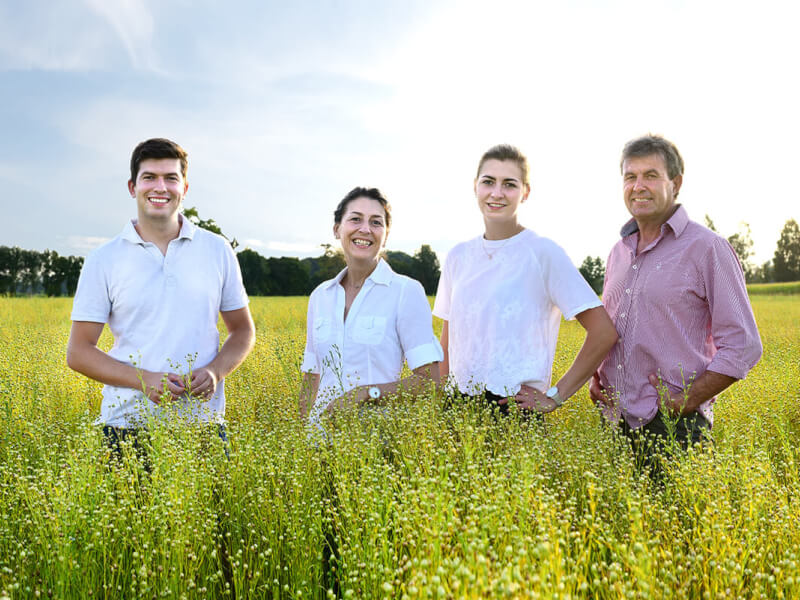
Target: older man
[(676, 293)]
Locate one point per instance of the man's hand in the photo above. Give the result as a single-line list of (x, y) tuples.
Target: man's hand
[(675, 404), (529, 398), (598, 393), (203, 383), (158, 386), (354, 397)]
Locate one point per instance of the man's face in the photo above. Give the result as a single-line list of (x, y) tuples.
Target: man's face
[(648, 191), (159, 189)]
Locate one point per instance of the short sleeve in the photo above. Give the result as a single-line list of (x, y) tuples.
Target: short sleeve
[(310, 363), (234, 295), (415, 327), (567, 288), (92, 301), (441, 305)]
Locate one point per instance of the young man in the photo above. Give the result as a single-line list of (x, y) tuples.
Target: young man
[(160, 285), (677, 296)]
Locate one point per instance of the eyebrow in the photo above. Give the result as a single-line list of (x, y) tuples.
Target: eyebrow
[(360, 214), (504, 179)]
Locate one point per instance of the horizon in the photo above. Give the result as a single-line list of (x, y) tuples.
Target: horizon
[(284, 111)]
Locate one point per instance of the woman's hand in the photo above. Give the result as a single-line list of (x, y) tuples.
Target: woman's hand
[(529, 398)]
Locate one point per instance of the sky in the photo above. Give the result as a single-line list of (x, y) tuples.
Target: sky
[(284, 107)]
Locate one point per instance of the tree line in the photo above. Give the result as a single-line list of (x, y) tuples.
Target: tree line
[(784, 266), (285, 276), (28, 272)]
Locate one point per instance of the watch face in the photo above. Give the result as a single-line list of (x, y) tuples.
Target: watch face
[(374, 393)]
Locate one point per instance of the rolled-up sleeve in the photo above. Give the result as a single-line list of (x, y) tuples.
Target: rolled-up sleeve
[(415, 327), (733, 325), (310, 363), (441, 305)]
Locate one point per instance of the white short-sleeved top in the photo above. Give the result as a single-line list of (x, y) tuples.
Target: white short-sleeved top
[(161, 309), (504, 312), (389, 320)]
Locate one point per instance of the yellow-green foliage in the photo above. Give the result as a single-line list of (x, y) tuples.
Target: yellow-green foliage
[(421, 502), (760, 289)]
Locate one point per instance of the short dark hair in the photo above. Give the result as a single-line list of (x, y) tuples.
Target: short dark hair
[(158, 148), (507, 152), (362, 192), (650, 144)]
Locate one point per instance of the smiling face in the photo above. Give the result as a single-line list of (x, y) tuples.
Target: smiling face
[(648, 191), (159, 190), (362, 231), (500, 190)]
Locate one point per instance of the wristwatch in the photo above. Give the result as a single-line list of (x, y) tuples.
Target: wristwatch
[(374, 392), (553, 394)]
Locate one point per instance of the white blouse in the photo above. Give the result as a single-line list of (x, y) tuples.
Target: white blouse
[(389, 320), (503, 301)]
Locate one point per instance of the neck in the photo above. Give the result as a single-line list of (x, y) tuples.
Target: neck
[(501, 231), (357, 273), (160, 232)]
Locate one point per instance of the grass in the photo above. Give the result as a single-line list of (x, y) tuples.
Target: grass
[(422, 503), (761, 289)]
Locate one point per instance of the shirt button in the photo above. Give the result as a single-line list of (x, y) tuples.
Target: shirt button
[(619, 367), (622, 316), (635, 267), (628, 291)]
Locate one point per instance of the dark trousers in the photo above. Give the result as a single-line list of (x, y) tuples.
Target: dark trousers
[(492, 401), (116, 436), (652, 443)]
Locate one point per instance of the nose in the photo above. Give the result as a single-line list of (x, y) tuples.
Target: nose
[(497, 190), (161, 184), (639, 183)]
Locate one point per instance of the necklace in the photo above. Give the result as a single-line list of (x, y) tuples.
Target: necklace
[(490, 255)]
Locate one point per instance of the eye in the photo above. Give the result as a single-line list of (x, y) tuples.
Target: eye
[(487, 181), (377, 223), (510, 184), (629, 177)]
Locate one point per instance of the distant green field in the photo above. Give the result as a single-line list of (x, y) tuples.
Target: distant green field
[(420, 504), (792, 287)]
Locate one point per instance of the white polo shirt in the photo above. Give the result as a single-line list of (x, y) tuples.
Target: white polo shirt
[(389, 320), (503, 300), (162, 311)]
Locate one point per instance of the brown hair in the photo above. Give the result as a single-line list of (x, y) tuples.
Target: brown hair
[(650, 144), (158, 148), (362, 192), (507, 152)]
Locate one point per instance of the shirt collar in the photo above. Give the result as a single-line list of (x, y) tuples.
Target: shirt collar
[(130, 234), (382, 275), (677, 222)]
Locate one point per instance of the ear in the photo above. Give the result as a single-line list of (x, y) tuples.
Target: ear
[(527, 192), (185, 188), (132, 188), (677, 181), (336, 230), (475, 187)]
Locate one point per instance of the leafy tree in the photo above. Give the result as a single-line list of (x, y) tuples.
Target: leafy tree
[(427, 268), (594, 272), (743, 246), (255, 272), (787, 255), (289, 276), (401, 262), (10, 267), (710, 224), (207, 224), (324, 267)]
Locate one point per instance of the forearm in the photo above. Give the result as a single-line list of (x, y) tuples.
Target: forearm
[(444, 366), (600, 338), (415, 384), (705, 387), (96, 364), (237, 346)]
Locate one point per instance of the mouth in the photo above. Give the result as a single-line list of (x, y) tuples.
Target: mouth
[(495, 205), (361, 243), (158, 200)]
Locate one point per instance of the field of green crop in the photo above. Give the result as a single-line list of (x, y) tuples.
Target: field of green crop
[(420, 503)]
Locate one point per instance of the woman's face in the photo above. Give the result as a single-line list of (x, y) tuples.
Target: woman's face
[(363, 230), (500, 190)]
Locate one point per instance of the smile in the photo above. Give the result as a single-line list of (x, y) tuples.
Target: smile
[(495, 205), (362, 243), (158, 200)]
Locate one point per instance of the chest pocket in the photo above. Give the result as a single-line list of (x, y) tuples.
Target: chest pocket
[(322, 330), (369, 330)]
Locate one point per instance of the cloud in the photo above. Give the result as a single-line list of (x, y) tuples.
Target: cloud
[(83, 244), (132, 21)]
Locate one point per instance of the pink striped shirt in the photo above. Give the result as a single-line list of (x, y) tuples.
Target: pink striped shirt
[(680, 307)]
